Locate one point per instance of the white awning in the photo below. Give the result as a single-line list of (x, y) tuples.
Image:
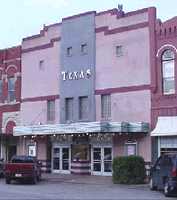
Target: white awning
[(166, 126)]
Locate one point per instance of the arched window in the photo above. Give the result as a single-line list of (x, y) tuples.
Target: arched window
[(168, 71)]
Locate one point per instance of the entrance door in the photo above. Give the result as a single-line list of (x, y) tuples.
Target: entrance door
[(65, 159), (96, 161), (102, 161), (12, 150), (61, 159)]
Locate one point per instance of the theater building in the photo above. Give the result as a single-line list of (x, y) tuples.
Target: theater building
[(10, 88), (164, 104), (86, 91)]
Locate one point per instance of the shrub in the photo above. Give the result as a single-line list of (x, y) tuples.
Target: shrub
[(129, 170)]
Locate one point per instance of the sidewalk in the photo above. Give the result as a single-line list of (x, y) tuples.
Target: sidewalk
[(78, 179), (88, 180)]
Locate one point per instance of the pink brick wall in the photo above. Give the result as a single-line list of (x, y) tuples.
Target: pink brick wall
[(143, 145), (38, 85), (129, 70)]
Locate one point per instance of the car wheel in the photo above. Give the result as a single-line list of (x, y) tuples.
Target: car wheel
[(34, 180), (39, 178), (166, 189), (8, 180), (151, 185)]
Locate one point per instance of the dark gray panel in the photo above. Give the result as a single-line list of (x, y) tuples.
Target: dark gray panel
[(78, 70), (154, 149)]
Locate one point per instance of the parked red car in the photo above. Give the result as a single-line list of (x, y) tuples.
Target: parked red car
[(1, 167), (23, 168)]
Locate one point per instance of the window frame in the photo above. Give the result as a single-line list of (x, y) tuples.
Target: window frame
[(41, 65), (84, 48), (82, 115), (69, 51), (67, 109), (106, 111), (132, 144), (119, 52), (50, 111), (11, 90), (164, 62)]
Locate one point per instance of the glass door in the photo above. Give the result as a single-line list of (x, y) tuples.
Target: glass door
[(102, 161), (56, 159), (97, 164), (107, 160), (61, 159), (65, 158)]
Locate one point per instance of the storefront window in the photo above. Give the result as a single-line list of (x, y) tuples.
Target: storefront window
[(80, 152)]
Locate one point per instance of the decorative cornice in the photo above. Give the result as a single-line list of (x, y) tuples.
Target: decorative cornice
[(41, 98), (79, 15), (163, 107), (44, 46), (42, 32), (12, 60), (108, 31), (113, 11), (7, 103), (122, 89)]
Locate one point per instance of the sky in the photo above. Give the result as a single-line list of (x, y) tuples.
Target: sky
[(22, 18)]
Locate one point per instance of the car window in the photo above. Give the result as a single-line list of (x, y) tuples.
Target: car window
[(22, 160), (174, 160), (158, 162), (166, 161)]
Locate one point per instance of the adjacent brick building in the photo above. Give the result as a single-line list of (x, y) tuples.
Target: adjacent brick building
[(164, 95), (10, 92)]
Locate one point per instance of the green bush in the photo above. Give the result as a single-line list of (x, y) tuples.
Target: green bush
[(129, 170)]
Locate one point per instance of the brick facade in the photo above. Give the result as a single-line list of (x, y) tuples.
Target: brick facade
[(10, 67)]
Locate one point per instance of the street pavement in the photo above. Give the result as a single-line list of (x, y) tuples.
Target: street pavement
[(71, 187)]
